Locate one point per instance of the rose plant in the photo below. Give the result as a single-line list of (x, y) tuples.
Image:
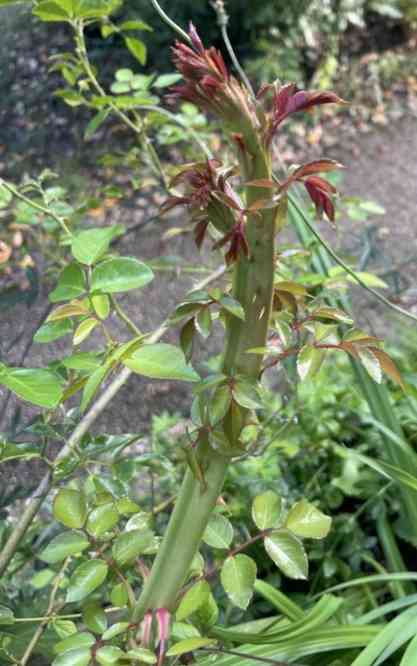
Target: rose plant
[(120, 593)]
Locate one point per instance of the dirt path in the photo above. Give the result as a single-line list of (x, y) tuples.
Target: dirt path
[(383, 168)]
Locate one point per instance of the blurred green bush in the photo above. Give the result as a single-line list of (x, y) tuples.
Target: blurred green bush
[(280, 38)]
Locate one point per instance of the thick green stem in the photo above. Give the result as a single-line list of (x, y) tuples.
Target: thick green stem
[(253, 288), (183, 535)]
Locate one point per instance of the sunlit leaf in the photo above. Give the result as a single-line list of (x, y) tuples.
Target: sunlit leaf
[(238, 577), (266, 510), (288, 553), (70, 508), (306, 521), (120, 274), (161, 361), (219, 532)]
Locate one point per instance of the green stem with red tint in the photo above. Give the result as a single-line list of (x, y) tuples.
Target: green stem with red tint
[(253, 287)]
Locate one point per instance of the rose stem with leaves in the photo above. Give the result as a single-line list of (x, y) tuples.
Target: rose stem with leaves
[(253, 288)]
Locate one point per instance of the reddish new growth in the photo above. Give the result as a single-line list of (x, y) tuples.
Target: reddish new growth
[(238, 242), (319, 189), (207, 82), (210, 198), (288, 100)]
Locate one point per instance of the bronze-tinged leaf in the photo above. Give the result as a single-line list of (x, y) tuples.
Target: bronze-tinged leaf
[(292, 287), (73, 309), (350, 348), (388, 366), (287, 299), (317, 166), (321, 184)]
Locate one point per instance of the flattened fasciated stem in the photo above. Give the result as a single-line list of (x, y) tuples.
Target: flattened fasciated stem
[(253, 287)]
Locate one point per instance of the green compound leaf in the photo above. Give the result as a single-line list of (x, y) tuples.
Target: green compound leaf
[(246, 395), (120, 274), (85, 579), (64, 628), (77, 640), (51, 11), (137, 49), (115, 630), (232, 306), (165, 80), (161, 361), (68, 543), (70, 508), (42, 578), (6, 615), (309, 361), (101, 305), (370, 363), (266, 510), (20, 450), (306, 521), (288, 554), (83, 330), (238, 577), (142, 655), (219, 403), (118, 595)]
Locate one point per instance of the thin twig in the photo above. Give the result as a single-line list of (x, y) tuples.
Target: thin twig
[(170, 22), (50, 610), (42, 209), (133, 228), (83, 426), (223, 20), (124, 317), (178, 121), (347, 268), (137, 128)]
